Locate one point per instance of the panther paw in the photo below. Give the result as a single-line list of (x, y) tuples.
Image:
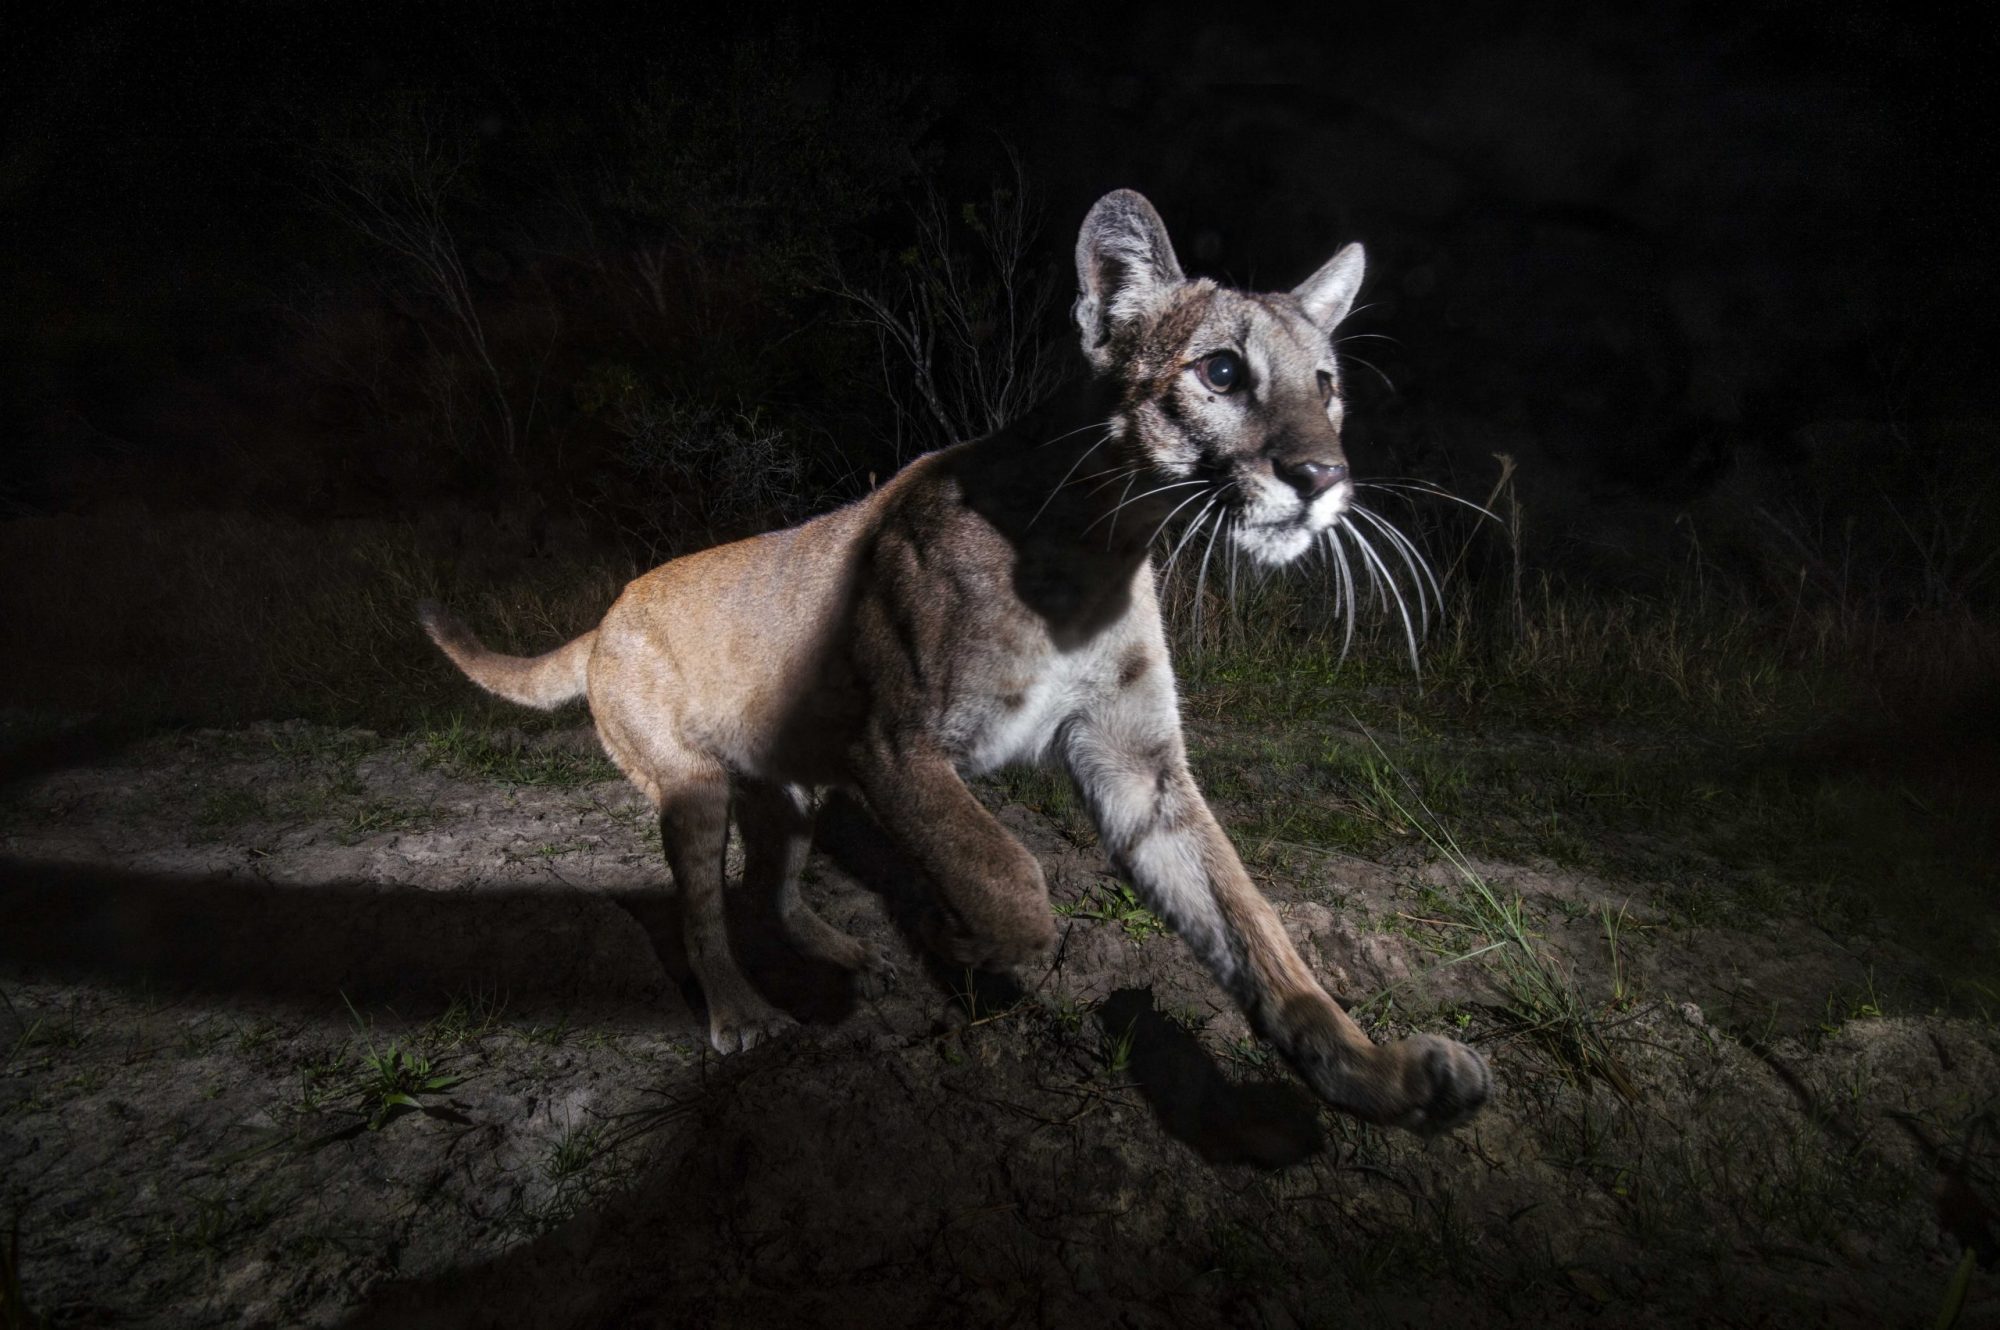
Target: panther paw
[(999, 953), (1443, 1083), (742, 1027), (873, 969)]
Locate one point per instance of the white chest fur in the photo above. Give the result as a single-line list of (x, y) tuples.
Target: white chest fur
[(1014, 715)]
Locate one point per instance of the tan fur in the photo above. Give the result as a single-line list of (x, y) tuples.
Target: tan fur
[(994, 603), (543, 681)]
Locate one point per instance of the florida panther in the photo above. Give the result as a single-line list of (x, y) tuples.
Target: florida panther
[(994, 603)]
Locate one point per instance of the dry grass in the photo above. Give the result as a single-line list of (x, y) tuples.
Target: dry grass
[(1579, 653), (196, 618)]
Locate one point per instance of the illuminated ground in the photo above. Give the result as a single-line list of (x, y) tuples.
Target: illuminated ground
[(227, 954)]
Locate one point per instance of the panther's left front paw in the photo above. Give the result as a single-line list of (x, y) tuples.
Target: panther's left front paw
[(1425, 1084), (1443, 1082)]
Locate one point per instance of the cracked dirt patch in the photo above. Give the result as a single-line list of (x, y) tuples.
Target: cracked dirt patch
[(302, 1030)]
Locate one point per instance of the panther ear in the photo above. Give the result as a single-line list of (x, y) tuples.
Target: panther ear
[(1124, 265), (1329, 293)]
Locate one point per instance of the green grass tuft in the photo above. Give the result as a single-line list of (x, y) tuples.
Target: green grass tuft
[(1116, 903), (1540, 1000), (468, 751)]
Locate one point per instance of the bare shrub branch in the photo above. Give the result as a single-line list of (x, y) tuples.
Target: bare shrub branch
[(964, 331), (393, 179)]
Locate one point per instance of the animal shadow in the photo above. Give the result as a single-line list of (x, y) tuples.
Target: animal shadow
[(1268, 1124), (1265, 1123)]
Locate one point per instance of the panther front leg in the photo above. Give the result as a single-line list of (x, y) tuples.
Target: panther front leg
[(1128, 760), (990, 887)]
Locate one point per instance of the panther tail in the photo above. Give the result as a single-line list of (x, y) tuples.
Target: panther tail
[(544, 681)]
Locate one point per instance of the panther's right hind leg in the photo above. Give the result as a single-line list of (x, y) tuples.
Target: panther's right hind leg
[(694, 829), (776, 822)]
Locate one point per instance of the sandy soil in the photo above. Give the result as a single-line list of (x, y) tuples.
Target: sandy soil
[(302, 1031)]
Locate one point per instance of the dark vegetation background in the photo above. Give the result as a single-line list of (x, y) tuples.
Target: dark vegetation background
[(313, 311)]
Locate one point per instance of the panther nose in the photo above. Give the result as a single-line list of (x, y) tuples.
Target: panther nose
[(1310, 479)]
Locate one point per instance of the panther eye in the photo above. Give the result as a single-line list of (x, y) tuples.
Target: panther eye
[(1222, 372)]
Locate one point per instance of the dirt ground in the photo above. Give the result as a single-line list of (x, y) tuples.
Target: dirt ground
[(302, 1029)]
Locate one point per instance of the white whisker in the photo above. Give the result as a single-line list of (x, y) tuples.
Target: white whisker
[(1381, 573), (1201, 578), (1108, 426), (1235, 551), (1192, 498), (1138, 498), (1067, 474), (1425, 487), (1419, 569), (1112, 535), (1353, 600), (1371, 597), (1415, 558), (1377, 372), (1188, 535), (1116, 474), (1345, 575)]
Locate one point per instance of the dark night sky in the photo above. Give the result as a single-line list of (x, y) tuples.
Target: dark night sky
[(1640, 240)]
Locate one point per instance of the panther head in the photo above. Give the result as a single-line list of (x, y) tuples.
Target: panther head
[(1230, 398)]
